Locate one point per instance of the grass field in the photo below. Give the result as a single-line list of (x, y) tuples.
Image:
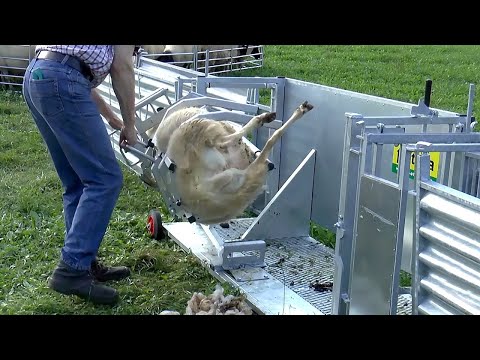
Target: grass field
[(164, 277)]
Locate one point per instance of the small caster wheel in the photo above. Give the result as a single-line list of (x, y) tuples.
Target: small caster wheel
[(154, 225)]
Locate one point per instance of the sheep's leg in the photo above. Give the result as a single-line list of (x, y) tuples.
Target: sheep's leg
[(228, 181), (297, 114), (254, 123)]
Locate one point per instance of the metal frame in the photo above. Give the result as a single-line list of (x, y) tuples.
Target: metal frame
[(232, 63), (447, 241), (364, 140), (242, 257), (160, 171), (363, 145), (371, 255), (11, 80)]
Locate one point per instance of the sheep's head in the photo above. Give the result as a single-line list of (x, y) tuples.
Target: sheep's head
[(166, 57)]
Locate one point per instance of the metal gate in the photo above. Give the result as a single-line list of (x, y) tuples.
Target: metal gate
[(446, 276), (376, 225)]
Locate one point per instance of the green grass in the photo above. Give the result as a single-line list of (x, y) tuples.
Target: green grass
[(164, 277), (395, 72)]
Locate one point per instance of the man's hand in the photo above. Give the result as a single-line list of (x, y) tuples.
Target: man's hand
[(106, 111), (115, 123), (128, 136)]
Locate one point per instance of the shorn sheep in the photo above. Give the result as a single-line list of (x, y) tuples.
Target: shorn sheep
[(217, 175)]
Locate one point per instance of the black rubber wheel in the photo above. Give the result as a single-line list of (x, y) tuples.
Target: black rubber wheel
[(154, 225)]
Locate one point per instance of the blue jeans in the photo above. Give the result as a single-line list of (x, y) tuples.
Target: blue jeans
[(78, 143)]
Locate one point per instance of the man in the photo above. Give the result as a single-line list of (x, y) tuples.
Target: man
[(59, 89)]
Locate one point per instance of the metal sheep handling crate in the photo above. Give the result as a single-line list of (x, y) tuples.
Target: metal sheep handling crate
[(326, 167)]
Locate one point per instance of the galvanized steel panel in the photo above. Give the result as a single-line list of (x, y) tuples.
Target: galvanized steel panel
[(323, 129), (447, 273), (374, 256)]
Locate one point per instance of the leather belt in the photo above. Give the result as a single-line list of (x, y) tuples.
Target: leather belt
[(71, 61)]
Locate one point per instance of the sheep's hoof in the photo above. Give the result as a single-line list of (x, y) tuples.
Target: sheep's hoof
[(154, 225), (267, 117), (306, 107)]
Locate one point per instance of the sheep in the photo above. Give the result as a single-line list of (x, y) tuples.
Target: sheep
[(217, 175), (14, 60), (252, 50), (180, 55), (219, 55), (154, 49)]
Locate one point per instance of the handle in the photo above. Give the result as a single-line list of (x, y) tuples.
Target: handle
[(428, 92)]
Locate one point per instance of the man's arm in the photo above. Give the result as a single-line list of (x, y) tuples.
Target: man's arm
[(106, 111), (123, 82)]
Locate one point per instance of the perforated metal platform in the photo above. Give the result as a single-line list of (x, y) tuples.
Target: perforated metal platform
[(308, 267), (235, 230), (306, 263), (299, 271)]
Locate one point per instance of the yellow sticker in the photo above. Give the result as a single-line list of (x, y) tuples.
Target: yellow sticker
[(434, 163)]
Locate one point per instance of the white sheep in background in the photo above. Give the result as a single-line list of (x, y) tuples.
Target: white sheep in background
[(14, 60), (220, 56), (154, 49), (217, 175)]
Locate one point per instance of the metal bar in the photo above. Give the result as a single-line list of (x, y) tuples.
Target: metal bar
[(404, 173), (452, 194), (206, 100), (471, 95), (150, 98), (422, 169), (409, 120), (367, 154), (139, 153), (346, 217), (478, 183), (377, 159), (404, 138), (242, 82), (473, 155), (421, 146)]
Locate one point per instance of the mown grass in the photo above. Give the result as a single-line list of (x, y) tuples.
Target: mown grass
[(164, 277)]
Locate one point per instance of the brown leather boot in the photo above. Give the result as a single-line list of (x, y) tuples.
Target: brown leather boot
[(69, 281), (104, 273)]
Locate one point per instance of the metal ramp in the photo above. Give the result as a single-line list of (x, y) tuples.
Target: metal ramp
[(287, 283)]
